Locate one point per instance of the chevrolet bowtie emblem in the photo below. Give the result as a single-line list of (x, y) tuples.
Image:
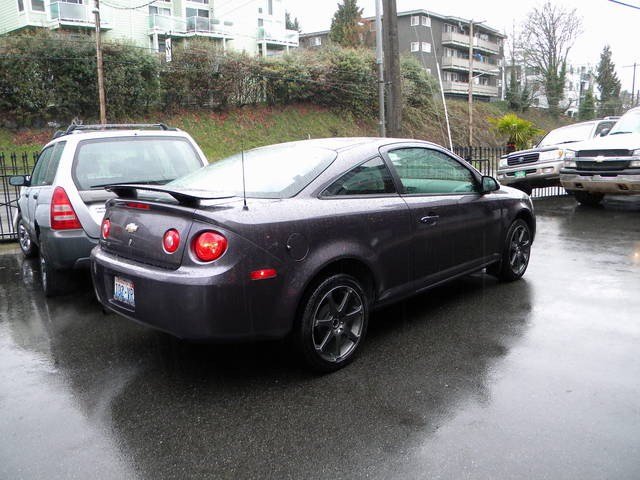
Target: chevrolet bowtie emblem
[(599, 159), (131, 228)]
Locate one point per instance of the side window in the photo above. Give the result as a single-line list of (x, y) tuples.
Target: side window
[(54, 161), (37, 176), (370, 178), (426, 171)]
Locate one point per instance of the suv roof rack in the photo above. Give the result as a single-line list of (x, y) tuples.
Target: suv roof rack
[(111, 126)]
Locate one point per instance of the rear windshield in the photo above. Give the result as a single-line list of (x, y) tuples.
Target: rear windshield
[(271, 172), (151, 160), (571, 134)]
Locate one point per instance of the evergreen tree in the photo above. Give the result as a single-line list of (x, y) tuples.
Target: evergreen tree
[(346, 26), (608, 84), (291, 24), (587, 110)]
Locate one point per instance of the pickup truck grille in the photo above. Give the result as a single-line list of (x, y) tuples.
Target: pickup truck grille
[(606, 165), (603, 153), (522, 159)]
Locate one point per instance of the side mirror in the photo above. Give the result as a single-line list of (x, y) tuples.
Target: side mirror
[(489, 184), (604, 132), (19, 180)]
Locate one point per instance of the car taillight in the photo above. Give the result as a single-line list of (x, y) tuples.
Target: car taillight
[(209, 246), (171, 241), (63, 216), (106, 228)]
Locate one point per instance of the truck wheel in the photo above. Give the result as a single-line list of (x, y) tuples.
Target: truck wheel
[(588, 199)]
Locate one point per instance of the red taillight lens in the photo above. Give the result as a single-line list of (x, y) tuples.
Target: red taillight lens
[(106, 228), (63, 216), (171, 241), (138, 205), (263, 274), (209, 246)]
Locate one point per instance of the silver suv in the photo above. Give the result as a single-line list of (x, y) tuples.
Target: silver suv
[(62, 202), (540, 166), (609, 165)]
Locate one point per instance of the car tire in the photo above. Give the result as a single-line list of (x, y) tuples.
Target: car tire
[(588, 199), (54, 282), (28, 248), (333, 323), (515, 254)]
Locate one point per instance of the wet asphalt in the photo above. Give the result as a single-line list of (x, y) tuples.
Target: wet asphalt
[(536, 379)]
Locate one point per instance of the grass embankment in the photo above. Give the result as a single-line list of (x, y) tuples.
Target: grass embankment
[(222, 134)]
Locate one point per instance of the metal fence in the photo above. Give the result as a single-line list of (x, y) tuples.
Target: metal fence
[(485, 159), (11, 164)]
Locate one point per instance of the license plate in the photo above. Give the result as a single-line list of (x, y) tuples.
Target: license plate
[(123, 291), (520, 174)]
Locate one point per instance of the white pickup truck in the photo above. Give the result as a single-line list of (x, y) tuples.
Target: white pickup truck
[(608, 165)]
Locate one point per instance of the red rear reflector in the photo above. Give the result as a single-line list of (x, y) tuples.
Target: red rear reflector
[(263, 274), (171, 241), (106, 228), (63, 216), (138, 205), (209, 246)]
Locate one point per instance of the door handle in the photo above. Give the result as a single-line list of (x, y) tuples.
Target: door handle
[(26, 195), (430, 219), (35, 195)]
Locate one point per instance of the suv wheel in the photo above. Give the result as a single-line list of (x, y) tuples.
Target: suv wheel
[(334, 323), (588, 199), (54, 282), (515, 253), (29, 249)]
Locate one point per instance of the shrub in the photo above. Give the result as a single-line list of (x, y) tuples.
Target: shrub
[(520, 132)]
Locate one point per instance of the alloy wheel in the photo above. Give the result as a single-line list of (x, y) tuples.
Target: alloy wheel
[(519, 249), (24, 238), (338, 323)]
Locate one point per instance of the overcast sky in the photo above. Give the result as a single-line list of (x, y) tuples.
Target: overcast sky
[(603, 22)]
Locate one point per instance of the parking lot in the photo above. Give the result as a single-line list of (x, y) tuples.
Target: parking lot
[(477, 379)]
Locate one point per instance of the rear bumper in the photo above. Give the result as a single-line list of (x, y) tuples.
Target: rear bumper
[(537, 174), (213, 304), (67, 249), (620, 183)]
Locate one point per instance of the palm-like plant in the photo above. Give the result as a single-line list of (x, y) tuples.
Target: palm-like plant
[(520, 131)]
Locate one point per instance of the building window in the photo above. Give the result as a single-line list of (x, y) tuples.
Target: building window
[(270, 7), (37, 5), (426, 47), (197, 12), (153, 10), (206, 2), (415, 46), (426, 21), (20, 6), (316, 41), (415, 20)]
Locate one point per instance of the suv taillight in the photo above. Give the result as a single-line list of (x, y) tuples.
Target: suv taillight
[(106, 228), (63, 216), (209, 246)]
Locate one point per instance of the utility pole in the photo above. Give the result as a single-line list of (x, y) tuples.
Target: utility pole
[(470, 83), (101, 95), (392, 68), (379, 62), (633, 89)]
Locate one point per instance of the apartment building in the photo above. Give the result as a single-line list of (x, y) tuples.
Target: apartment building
[(255, 26), (429, 36)]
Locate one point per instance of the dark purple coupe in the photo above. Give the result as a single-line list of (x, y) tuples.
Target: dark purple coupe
[(331, 230)]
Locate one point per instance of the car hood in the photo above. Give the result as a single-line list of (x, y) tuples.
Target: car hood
[(537, 150), (626, 141)]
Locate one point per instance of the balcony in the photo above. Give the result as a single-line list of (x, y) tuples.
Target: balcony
[(165, 24), (462, 40), (462, 88), (457, 63), (76, 15), (212, 27), (279, 36)]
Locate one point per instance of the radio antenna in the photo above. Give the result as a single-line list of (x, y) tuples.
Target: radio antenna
[(244, 187)]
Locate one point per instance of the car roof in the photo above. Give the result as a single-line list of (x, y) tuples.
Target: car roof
[(96, 134), (339, 144)]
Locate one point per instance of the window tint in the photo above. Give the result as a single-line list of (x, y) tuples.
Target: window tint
[(39, 171), (422, 170), (370, 178), (136, 160), (50, 174)]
